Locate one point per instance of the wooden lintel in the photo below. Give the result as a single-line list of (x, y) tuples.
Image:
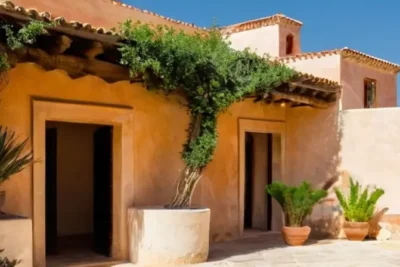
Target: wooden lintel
[(311, 101), (61, 44), (96, 49), (75, 66)]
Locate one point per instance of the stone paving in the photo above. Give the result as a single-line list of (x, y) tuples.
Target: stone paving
[(267, 250)]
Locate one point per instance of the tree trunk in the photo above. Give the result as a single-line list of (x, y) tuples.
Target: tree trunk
[(190, 176), (185, 188)]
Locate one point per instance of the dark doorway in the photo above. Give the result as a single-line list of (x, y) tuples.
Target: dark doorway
[(102, 171), (78, 192), (258, 173), (51, 191), (248, 196)]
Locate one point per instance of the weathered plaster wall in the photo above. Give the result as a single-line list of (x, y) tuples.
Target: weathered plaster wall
[(370, 150), (353, 76), (160, 130), (263, 40)]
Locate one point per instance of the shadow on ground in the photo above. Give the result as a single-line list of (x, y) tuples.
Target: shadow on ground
[(247, 245)]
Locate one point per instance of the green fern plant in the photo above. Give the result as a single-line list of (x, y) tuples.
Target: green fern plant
[(359, 206), (5, 262), (11, 159), (296, 202)]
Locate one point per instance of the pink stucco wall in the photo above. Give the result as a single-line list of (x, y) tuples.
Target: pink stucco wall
[(352, 80), (267, 40)]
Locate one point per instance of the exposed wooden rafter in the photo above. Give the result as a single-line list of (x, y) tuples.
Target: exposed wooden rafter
[(307, 100)]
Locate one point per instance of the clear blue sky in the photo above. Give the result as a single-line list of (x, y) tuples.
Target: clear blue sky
[(370, 26)]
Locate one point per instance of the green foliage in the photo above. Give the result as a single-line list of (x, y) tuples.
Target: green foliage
[(5, 262), (26, 35), (17, 39), (11, 159), (296, 202), (209, 72), (358, 207)]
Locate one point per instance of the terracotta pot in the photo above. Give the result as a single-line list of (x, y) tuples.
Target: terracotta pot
[(2, 199), (295, 236), (356, 231)]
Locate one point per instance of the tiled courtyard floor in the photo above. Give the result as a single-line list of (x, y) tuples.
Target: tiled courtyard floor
[(265, 250)]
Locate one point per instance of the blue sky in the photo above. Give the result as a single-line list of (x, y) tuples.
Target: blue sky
[(370, 26)]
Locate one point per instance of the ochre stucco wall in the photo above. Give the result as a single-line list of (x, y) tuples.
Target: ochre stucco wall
[(353, 76), (370, 150), (159, 131)]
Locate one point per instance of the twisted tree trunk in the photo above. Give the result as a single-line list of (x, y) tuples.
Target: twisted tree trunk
[(190, 175)]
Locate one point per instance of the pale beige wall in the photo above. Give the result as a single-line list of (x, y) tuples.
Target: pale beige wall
[(263, 40), (352, 80), (327, 67), (16, 240), (74, 178), (159, 131), (370, 151)]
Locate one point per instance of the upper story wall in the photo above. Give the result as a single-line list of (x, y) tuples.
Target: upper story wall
[(352, 80), (277, 36), (327, 67), (261, 41)]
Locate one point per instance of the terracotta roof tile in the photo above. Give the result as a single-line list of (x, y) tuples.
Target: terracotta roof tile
[(261, 22), (94, 19), (347, 53)]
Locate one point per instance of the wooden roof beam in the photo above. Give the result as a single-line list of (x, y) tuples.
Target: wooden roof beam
[(311, 101)]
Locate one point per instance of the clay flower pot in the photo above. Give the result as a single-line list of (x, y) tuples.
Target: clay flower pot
[(295, 236), (356, 231)]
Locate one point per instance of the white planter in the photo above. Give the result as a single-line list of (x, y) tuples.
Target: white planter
[(159, 236), (16, 239)]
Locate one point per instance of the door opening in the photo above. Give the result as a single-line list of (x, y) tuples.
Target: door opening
[(262, 166), (78, 192)]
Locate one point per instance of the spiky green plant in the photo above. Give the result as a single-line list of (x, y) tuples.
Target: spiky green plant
[(358, 207), (5, 262), (11, 159), (296, 202)]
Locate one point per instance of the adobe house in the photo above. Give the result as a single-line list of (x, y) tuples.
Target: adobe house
[(105, 143)]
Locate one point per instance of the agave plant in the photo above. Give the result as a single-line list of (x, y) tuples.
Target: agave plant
[(296, 202), (11, 159), (359, 206), (5, 262)]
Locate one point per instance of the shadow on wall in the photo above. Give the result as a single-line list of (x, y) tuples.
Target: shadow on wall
[(314, 154)]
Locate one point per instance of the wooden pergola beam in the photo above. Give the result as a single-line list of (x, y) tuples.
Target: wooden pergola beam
[(75, 66), (308, 100)]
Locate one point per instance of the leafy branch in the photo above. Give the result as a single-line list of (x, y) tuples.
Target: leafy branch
[(212, 76)]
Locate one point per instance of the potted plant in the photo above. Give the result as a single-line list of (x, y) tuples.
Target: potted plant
[(11, 159), (296, 203), (358, 209)]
